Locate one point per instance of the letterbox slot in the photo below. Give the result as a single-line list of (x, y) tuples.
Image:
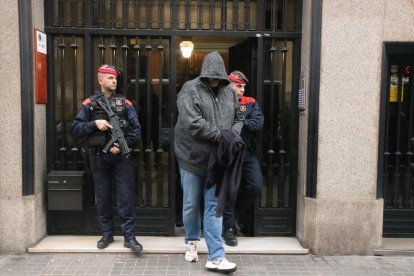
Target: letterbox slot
[(65, 190)]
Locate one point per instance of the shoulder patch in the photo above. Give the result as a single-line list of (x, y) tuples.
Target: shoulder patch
[(118, 102), (86, 101), (246, 100)]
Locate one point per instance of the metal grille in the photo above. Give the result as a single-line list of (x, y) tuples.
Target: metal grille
[(69, 83), (217, 15), (277, 171), (276, 211), (398, 154), (396, 142), (234, 15), (67, 13), (141, 84), (131, 14)]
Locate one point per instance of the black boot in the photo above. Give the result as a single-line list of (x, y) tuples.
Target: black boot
[(104, 242), (229, 237), (134, 245)]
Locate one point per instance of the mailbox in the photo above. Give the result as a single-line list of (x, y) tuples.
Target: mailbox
[(65, 190)]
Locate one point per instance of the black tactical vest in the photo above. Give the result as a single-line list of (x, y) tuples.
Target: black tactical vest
[(99, 138)]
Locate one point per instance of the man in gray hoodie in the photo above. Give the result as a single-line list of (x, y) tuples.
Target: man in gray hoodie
[(205, 107)]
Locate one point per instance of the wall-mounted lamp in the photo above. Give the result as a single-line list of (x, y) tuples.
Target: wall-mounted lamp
[(186, 48)]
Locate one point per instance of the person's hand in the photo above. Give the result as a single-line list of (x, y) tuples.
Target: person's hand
[(103, 125), (115, 149)]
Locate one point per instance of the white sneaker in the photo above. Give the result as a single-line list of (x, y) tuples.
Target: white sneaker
[(221, 265), (191, 253)]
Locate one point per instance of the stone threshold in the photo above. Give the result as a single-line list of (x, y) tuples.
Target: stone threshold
[(157, 244), (396, 247)]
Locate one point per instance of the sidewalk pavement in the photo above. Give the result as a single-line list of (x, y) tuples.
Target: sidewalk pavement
[(174, 264)]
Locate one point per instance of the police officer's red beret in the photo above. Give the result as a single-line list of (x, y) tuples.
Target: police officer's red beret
[(238, 77), (108, 69)]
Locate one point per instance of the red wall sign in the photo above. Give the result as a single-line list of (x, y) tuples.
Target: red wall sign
[(40, 66)]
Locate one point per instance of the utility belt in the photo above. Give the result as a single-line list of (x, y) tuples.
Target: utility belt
[(97, 141), (93, 151)]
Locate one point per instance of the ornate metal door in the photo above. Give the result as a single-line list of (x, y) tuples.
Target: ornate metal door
[(273, 84), (396, 150)]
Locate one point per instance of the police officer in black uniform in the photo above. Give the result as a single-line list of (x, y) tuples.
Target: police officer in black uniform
[(251, 180), (92, 127)]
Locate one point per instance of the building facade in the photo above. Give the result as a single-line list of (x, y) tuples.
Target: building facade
[(336, 173)]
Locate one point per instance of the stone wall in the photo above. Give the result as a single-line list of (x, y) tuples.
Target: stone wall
[(345, 217), (22, 218)]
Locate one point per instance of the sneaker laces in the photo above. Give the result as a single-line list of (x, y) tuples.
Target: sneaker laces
[(222, 262), (219, 260), (192, 246)]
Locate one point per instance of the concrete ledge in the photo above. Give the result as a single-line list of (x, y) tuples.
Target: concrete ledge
[(152, 244)]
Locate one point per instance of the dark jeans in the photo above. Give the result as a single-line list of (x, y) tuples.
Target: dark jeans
[(250, 187), (118, 168)]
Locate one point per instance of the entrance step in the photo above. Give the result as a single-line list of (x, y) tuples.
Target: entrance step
[(156, 244), (396, 246)]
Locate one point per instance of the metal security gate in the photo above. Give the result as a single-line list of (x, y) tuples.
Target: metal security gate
[(397, 160), (274, 86), (145, 81), (141, 38), (276, 211)]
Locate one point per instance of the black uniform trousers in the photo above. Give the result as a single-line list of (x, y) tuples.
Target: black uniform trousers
[(250, 187), (118, 168)]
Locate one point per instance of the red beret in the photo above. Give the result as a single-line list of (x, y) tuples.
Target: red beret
[(108, 69), (238, 77)]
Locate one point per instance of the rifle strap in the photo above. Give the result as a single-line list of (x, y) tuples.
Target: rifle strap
[(105, 105)]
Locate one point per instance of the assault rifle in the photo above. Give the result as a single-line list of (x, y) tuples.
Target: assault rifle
[(117, 135)]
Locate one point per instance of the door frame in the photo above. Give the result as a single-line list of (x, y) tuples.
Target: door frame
[(264, 29)]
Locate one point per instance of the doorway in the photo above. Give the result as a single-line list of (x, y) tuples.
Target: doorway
[(260, 37), (149, 81), (396, 162)]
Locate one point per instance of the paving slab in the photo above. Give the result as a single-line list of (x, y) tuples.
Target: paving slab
[(3, 259), (174, 264)]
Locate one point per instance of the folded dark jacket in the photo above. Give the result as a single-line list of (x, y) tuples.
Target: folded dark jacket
[(224, 168)]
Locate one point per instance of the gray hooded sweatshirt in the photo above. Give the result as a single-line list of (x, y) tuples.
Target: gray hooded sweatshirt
[(202, 115)]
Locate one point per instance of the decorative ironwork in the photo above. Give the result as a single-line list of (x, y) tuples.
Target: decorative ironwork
[(233, 15), (67, 96), (396, 147), (277, 169), (398, 154)]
